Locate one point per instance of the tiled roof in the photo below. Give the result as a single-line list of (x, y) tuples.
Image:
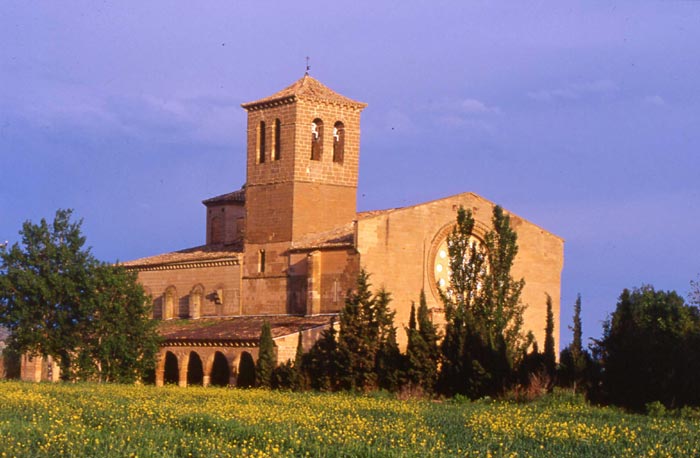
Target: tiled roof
[(236, 329), (235, 196), (338, 237), (372, 213), (306, 88), (202, 253)]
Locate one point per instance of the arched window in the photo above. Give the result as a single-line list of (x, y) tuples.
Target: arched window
[(338, 142), (277, 154), (195, 306), (316, 139), (169, 301), (261, 261), (261, 142)]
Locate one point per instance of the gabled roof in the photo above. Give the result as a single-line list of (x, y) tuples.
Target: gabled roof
[(339, 237), (231, 197), (306, 88), (375, 213), (189, 257)]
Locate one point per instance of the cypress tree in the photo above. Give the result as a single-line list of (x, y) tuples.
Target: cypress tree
[(574, 359), (299, 383), (388, 359), (266, 357), (414, 353), (549, 352), (429, 337)]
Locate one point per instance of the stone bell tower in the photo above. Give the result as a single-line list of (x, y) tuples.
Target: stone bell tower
[(302, 167)]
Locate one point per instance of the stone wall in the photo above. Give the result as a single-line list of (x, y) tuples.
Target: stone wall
[(398, 249), (220, 285)]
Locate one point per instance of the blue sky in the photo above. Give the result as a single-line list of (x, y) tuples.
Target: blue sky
[(579, 116)]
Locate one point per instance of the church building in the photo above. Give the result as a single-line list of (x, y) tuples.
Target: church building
[(288, 245)]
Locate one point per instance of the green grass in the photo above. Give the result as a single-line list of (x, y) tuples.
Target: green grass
[(117, 420)]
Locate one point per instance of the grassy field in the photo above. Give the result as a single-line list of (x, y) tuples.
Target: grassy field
[(113, 420)]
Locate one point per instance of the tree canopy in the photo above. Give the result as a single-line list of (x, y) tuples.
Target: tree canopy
[(649, 350), (58, 301)]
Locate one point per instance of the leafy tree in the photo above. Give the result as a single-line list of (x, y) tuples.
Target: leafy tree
[(694, 297), (266, 357), (549, 355), (649, 350), (500, 307), (58, 301), (460, 371), (484, 313), (119, 342)]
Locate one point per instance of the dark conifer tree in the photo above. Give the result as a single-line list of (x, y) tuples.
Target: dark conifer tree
[(357, 339), (427, 353), (322, 363), (266, 357), (550, 363), (389, 360), (414, 351), (299, 382)]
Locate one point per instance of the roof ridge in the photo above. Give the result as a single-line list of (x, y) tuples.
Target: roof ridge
[(306, 88)]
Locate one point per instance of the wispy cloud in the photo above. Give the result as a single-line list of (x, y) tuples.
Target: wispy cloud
[(474, 106), (574, 91), (175, 119), (467, 113), (654, 100)]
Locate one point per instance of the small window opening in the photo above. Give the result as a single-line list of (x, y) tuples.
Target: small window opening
[(316, 139), (261, 143), (278, 145), (336, 291), (261, 261), (338, 142)]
